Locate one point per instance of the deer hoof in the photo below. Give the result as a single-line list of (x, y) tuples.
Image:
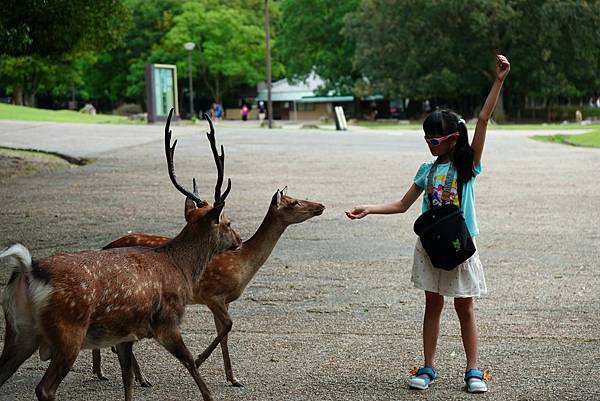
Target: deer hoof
[(144, 383), (236, 383), (102, 377)]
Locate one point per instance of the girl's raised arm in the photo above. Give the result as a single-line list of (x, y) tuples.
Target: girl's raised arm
[(502, 69)]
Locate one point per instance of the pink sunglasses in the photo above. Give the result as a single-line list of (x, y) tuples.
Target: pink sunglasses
[(438, 140)]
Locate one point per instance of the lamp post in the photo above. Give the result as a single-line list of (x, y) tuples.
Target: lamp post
[(189, 46), (268, 61)]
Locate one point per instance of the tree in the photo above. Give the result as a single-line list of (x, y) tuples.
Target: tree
[(310, 40), (446, 48), (230, 43), (55, 28), (428, 49)]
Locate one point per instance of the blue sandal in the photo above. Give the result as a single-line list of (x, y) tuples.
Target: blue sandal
[(475, 380), (423, 378)]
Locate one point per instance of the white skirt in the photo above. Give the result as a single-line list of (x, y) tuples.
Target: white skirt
[(464, 281)]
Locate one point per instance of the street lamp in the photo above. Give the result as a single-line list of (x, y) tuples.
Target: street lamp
[(189, 46)]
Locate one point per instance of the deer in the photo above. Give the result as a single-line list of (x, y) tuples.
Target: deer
[(96, 299), (227, 274)]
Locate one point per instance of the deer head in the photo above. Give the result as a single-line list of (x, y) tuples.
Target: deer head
[(292, 211)]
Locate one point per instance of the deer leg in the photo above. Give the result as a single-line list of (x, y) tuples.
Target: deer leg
[(221, 315), (17, 349), (125, 354), (97, 364), (172, 341), (226, 360), (59, 367), (137, 372), (139, 376)]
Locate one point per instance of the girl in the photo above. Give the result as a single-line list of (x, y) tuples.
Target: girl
[(446, 136)]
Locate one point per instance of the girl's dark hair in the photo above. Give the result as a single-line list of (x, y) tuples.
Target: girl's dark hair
[(446, 122)]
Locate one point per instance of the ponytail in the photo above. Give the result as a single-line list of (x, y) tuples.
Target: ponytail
[(462, 156)]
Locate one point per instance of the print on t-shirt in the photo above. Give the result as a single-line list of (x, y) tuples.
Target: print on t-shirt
[(438, 196)]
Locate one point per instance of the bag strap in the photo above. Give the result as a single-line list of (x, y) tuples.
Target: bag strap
[(447, 185)]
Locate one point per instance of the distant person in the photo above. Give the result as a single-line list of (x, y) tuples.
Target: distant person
[(212, 111), (244, 112), (218, 111), (426, 106), (456, 161), (262, 111)]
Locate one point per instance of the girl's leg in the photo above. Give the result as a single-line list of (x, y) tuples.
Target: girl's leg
[(434, 303), (468, 329)]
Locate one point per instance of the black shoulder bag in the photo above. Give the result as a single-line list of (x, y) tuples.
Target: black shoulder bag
[(442, 230)]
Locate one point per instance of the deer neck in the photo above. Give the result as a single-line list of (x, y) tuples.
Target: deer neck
[(188, 251), (257, 249)]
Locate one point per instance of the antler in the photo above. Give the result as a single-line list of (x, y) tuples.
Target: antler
[(219, 161), (169, 151)]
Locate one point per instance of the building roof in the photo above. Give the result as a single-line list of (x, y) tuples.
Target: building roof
[(301, 92)]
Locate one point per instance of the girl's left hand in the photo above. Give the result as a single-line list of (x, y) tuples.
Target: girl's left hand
[(502, 67)]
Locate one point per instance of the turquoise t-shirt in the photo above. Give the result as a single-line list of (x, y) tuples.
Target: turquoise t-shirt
[(439, 179)]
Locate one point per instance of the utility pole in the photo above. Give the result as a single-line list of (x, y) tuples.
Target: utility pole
[(189, 46), (268, 58)]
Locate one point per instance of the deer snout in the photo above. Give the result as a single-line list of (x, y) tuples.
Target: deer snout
[(319, 209)]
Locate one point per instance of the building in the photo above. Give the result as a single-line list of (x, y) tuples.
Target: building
[(300, 101)]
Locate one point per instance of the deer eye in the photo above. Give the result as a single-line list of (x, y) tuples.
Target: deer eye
[(229, 224)]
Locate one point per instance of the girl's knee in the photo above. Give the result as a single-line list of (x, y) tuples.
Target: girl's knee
[(434, 303), (463, 306)]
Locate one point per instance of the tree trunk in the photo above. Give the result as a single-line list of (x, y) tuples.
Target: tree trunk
[(30, 99), (218, 95), (17, 95)]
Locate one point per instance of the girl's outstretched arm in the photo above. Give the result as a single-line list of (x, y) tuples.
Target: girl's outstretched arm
[(401, 206), (502, 69)]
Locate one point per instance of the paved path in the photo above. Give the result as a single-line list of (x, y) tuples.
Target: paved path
[(332, 315)]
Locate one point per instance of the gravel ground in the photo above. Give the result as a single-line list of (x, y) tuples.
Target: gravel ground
[(332, 315)]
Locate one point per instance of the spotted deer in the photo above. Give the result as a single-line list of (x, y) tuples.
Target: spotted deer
[(228, 273), (96, 299)]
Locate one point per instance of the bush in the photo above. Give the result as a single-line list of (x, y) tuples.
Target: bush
[(128, 109)]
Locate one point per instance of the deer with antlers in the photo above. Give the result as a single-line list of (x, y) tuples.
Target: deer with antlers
[(228, 273), (96, 299)]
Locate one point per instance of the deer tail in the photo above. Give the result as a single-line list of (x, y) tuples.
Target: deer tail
[(15, 301), (19, 257)]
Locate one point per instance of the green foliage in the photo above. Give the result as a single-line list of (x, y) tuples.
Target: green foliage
[(425, 49), (230, 46), (310, 39), (446, 48), (58, 27)]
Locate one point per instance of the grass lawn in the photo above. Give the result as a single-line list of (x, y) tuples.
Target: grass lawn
[(589, 139), (11, 112)]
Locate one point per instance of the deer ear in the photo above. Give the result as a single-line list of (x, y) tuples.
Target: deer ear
[(276, 199), (190, 205), (284, 191), (215, 213)]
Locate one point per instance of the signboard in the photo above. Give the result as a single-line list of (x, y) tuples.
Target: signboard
[(161, 91)]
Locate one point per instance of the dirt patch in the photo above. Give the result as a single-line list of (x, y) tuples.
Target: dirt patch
[(14, 163)]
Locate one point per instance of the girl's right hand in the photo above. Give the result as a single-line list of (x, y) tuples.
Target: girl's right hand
[(357, 212), (502, 67)]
